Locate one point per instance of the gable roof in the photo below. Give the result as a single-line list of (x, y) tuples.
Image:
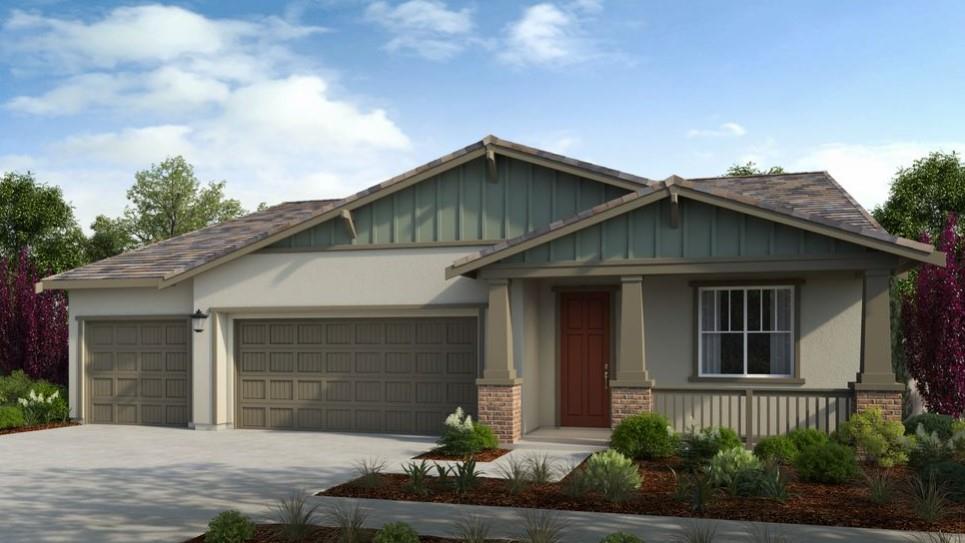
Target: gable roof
[(173, 260), (812, 201)]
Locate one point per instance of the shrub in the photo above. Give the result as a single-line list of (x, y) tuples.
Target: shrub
[(349, 522), (418, 475), (15, 386), (879, 487), (644, 436), (621, 537), (952, 475), (369, 471), (768, 482), (696, 489), (229, 527), (929, 449), (396, 532), (932, 422), (776, 449), (461, 436), (957, 446), (928, 498), (295, 518), (40, 408), (612, 474), (11, 417), (725, 465), (472, 529), (540, 469), (882, 441), (803, 438), (828, 463), (465, 476), (542, 527), (698, 447)]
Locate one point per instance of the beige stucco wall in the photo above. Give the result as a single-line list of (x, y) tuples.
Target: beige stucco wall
[(137, 302)]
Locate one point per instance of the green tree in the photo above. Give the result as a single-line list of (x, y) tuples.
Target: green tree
[(750, 168), (110, 237), (922, 196), (167, 200), (35, 217)]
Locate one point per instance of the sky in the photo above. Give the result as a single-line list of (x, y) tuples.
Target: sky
[(320, 98)]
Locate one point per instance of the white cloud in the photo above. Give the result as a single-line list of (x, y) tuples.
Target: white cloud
[(548, 34), (426, 27), (730, 129), (866, 171), (232, 96)]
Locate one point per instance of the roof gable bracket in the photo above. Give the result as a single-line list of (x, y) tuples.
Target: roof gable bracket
[(349, 224), (491, 172), (674, 209)]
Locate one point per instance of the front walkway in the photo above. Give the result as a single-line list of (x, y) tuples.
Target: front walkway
[(438, 519)]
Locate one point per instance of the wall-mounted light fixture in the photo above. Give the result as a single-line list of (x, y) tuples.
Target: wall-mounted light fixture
[(197, 321)]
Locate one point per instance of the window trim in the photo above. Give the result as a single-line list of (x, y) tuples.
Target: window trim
[(794, 377)]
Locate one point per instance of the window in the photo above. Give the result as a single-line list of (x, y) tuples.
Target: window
[(746, 331)]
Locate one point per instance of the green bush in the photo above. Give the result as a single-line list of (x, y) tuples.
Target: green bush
[(462, 436), (644, 436), (229, 527), (621, 537), (828, 463), (14, 386), (952, 477), (929, 449), (882, 441), (11, 417), (958, 426), (725, 465), (768, 482), (776, 449), (611, 474), (698, 447), (803, 438), (396, 532), (932, 422)]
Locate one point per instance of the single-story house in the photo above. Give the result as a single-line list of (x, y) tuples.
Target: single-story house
[(529, 288)]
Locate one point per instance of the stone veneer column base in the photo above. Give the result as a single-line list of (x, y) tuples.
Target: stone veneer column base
[(889, 402), (501, 407), (627, 401)]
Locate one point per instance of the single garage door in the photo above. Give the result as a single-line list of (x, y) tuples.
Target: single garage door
[(138, 372), (355, 375)]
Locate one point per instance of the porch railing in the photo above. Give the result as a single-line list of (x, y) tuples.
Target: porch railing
[(754, 412)]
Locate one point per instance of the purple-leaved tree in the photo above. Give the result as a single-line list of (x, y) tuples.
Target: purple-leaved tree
[(33, 327), (934, 327)]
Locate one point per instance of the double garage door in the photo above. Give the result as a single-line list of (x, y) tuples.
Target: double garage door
[(138, 372), (354, 375)]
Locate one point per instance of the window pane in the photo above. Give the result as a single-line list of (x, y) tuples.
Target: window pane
[(722, 310), (769, 354), (736, 310), (707, 310), (732, 353), (767, 309), (710, 353), (754, 309), (784, 309)]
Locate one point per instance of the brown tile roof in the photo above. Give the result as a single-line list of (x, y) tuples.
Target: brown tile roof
[(813, 196)]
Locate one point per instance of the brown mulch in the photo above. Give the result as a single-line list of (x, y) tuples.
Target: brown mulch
[(485, 456), (35, 427), (845, 505), (270, 533)]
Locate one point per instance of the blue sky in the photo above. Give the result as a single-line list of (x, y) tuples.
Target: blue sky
[(319, 98)]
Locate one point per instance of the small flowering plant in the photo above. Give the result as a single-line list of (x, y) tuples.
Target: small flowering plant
[(41, 409), (460, 436)]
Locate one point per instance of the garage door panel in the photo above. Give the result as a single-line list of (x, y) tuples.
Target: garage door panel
[(138, 372), (362, 375)]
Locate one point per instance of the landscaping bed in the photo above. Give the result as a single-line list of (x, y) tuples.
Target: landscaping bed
[(271, 533), (847, 505), (35, 427), (483, 456)]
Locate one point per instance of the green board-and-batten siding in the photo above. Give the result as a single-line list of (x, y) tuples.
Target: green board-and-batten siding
[(704, 231), (461, 205)]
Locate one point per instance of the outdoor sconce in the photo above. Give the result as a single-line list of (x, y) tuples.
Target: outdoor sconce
[(197, 321)]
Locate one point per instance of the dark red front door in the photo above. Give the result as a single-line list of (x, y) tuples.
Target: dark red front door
[(584, 358)]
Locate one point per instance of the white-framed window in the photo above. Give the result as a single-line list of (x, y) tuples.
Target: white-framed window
[(746, 331)]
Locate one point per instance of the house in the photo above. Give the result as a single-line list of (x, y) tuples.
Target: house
[(528, 287)]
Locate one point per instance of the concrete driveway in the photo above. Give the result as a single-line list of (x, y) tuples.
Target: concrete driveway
[(134, 483)]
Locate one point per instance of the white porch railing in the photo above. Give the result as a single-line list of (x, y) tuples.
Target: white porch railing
[(754, 412)]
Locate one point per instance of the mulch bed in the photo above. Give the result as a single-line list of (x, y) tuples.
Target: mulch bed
[(270, 533), (35, 427), (484, 456), (809, 503)]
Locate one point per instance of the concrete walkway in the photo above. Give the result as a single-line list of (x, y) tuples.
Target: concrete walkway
[(438, 519)]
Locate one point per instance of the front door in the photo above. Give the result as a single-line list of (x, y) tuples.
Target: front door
[(584, 359)]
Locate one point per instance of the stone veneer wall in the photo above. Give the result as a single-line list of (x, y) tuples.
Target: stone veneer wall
[(501, 407), (627, 401), (888, 402)]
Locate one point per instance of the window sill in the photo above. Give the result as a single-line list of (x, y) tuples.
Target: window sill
[(749, 380)]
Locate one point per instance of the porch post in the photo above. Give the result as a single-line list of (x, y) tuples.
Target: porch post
[(631, 390), (876, 385), (499, 389)]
